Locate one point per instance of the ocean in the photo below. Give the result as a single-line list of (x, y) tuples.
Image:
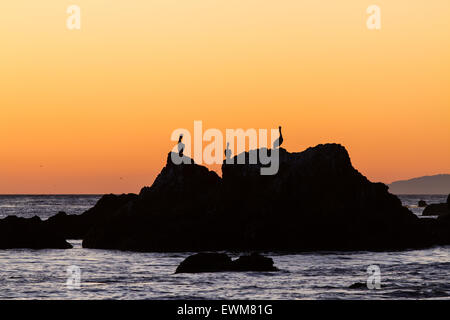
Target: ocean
[(111, 274)]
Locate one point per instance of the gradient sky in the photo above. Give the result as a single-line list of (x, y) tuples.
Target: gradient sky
[(91, 111)]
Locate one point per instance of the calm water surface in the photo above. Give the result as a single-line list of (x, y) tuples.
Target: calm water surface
[(110, 274)]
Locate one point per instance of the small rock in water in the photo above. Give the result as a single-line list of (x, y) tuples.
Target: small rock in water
[(253, 262), (422, 203), (220, 262), (205, 262), (358, 285)]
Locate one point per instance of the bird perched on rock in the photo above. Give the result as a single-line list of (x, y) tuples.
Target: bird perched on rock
[(180, 146), (277, 143), (228, 152)]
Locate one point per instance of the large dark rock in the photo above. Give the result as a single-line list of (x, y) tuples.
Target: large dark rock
[(316, 201), (30, 233), (179, 212), (436, 209), (220, 262)]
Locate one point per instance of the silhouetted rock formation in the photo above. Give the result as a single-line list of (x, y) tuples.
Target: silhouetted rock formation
[(436, 209), (30, 233), (220, 262), (34, 233), (179, 212), (422, 204), (77, 226), (316, 201)]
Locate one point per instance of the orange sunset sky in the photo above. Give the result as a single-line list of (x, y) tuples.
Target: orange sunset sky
[(92, 110)]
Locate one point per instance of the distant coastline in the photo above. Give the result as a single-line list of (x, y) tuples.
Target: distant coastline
[(435, 184), (438, 184)]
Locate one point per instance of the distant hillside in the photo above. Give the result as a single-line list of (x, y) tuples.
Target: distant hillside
[(437, 184)]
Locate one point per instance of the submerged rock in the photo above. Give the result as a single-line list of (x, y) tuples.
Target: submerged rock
[(32, 233), (220, 262)]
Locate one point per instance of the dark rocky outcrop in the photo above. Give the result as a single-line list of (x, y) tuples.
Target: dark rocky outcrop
[(422, 204), (316, 201), (30, 233), (436, 209), (34, 233), (77, 226), (180, 212), (220, 262)]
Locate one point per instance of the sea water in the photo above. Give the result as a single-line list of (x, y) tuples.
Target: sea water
[(112, 274)]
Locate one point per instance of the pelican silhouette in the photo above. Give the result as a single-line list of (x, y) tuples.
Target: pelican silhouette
[(228, 152), (277, 143), (180, 146)]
